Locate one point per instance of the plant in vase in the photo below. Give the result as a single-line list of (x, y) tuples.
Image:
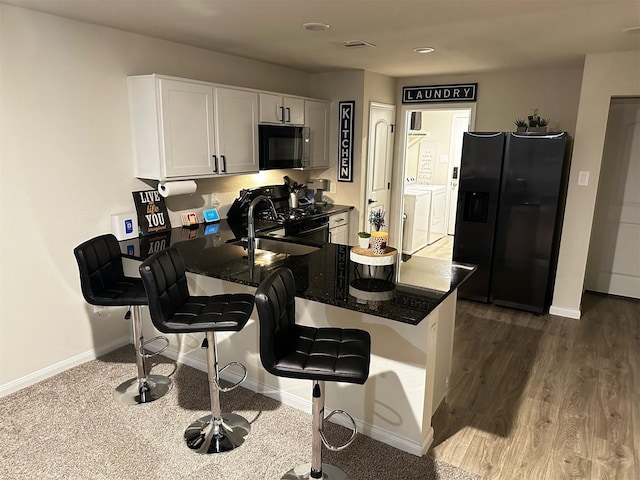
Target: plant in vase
[(379, 240), (363, 239), (376, 219), (521, 125)]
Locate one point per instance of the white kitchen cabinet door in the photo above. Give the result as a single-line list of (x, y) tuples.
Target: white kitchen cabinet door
[(339, 228), (172, 127), (316, 115), (282, 110), (339, 235), (293, 110), (187, 128), (237, 130)]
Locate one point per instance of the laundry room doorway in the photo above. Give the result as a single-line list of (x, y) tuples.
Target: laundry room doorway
[(433, 148)]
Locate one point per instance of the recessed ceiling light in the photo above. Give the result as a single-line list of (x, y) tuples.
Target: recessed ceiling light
[(315, 26), (423, 49)]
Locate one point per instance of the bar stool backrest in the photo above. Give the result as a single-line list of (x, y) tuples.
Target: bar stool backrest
[(164, 277), (102, 277), (275, 302)]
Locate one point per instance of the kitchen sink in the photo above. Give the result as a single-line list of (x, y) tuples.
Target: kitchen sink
[(279, 246)]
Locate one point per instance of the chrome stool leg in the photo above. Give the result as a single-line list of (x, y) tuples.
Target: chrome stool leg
[(317, 469), (144, 388), (218, 432)]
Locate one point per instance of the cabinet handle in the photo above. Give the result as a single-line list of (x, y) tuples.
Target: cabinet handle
[(288, 115), (223, 161), (339, 220), (282, 114), (215, 163)]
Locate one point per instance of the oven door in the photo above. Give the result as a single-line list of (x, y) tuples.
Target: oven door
[(315, 230)]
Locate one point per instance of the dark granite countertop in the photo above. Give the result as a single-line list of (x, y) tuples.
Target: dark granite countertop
[(404, 292)]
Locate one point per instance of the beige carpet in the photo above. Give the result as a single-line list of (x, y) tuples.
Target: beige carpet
[(69, 427)]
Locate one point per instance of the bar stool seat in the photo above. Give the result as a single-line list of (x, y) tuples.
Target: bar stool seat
[(174, 310), (103, 283), (318, 354)]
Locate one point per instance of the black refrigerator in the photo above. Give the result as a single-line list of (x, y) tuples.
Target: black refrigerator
[(511, 195)]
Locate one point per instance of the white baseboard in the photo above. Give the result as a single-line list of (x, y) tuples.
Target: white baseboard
[(377, 433), (59, 367), (296, 402), (565, 312)]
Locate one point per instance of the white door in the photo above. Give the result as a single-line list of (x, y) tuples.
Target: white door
[(460, 124), (379, 159), (613, 264)]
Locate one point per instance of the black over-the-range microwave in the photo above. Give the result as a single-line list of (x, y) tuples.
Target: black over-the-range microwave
[(283, 146)]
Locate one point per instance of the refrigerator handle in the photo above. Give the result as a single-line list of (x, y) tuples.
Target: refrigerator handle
[(484, 135)]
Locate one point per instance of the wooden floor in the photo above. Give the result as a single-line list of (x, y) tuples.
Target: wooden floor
[(441, 249), (544, 397)]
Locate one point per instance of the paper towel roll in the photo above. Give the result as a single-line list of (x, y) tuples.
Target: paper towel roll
[(184, 187)]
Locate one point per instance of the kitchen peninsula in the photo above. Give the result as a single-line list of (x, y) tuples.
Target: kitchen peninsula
[(408, 308)]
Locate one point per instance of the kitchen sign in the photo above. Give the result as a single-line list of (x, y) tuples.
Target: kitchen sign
[(464, 92), (152, 212), (345, 157)]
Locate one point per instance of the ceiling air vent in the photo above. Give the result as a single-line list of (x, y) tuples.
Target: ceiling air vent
[(357, 44)]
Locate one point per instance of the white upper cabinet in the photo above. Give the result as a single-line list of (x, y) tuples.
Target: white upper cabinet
[(189, 129), (237, 130), (316, 114), (276, 108)]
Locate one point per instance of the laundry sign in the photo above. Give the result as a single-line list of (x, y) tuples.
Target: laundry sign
[(345, 148), (464, 92)]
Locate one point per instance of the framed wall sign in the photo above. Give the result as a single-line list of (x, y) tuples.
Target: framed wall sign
[(153, 217), (463, 92), (345, 148)]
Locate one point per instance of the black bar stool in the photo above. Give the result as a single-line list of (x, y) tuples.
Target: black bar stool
[(174, 310), (317, 354), (103, 283)]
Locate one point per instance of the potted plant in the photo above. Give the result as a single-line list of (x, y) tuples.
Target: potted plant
[(363, 239), (521, 125), (379, 240), (376, 219), (534, 123), (534, 118), (542, 124)]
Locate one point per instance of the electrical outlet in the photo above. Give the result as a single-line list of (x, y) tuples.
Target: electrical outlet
[(332, 187), (583, 178)]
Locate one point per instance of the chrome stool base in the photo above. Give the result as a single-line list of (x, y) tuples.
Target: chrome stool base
[(303, 472), (130, 392), (202, 437)]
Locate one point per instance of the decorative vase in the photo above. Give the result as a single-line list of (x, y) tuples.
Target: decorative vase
[(379, 241), (363, 242)]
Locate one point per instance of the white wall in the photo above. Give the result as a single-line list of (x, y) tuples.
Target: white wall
[(65, 167), (506, 95), (364, 88), (605, 76)]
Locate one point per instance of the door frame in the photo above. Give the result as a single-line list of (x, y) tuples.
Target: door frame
[(398, 169)]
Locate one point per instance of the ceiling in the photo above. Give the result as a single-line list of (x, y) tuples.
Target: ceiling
[(468, 35)]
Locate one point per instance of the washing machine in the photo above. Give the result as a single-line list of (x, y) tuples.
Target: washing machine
[(437, 226), (415, 233)]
